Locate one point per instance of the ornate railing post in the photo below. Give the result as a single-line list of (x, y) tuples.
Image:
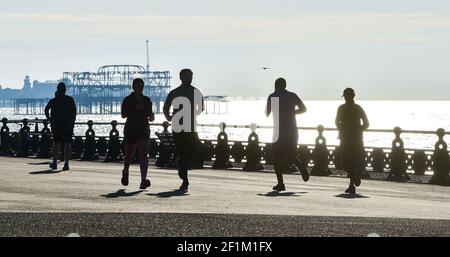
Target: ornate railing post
[(253, 151), (36, 125), (23, 141), (46, 141), (397, 158), (222, 150), (89, 152), (113, 143), (320, 155), (166, 156), (441, 161), (4, 138), (34, 139)]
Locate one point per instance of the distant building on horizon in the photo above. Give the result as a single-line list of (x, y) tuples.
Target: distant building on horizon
[(36, 89)]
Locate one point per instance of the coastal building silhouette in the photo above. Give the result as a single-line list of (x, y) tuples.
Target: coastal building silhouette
[(99, 92), (36, 90)]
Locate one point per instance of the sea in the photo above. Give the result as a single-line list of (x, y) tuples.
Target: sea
[(408, 115)]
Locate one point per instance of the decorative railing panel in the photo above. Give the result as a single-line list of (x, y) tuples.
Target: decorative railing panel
[(34, 139)]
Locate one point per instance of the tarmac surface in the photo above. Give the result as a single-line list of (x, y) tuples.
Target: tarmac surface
[(211, 225), (90, 201)]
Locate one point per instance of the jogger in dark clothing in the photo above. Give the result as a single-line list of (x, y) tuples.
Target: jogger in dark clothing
[(351, 121), (285, 146), (62, 112), (187, 103), (137, 109)]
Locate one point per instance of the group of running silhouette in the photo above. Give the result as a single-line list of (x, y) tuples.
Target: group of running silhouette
[(182, 106)]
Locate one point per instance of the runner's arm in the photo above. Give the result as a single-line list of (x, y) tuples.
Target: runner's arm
[(337, 121), (151, 115), (301, 106), (124, 108), (166, 107), (365, 124), (73, 111), (47, 109), (268, 107)]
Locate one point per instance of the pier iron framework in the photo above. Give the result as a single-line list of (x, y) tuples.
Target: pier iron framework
[(102, 92)]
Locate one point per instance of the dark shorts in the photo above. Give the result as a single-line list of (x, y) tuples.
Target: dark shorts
[(134, 133), (285, 152), (353, 156), (187, 144), (63, 135)]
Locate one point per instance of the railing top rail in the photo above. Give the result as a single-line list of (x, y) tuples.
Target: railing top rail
[(408, 131)]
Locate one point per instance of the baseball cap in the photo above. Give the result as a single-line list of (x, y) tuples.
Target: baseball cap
[(348, 91)]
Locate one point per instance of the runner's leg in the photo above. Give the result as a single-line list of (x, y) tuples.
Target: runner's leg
[(143, 158), (129, 155), (67, 152), (55, 151)]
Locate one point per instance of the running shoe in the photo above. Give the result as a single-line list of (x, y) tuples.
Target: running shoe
[(304, 172), (184, 186), (53, 165), (356, 179), (145, 184), (124, 179), (351, 190), (66, 167), (279, 187)]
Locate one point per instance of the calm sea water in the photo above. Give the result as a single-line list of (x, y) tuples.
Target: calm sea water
[(409, 115)]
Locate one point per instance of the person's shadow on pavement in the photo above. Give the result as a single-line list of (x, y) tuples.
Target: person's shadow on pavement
[(47, 171), (172, 193), (39, 163), (351, 196), (278, 193), (121, 193)]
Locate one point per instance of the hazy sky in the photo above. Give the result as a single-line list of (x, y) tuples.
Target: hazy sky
[(385, 49)]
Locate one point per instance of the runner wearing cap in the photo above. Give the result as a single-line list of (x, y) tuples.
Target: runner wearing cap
[(351, 121)]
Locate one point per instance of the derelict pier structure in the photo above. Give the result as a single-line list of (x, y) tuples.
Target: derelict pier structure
[(102, 92)]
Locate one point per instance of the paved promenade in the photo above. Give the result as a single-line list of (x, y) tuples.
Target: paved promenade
[(232, 202)]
